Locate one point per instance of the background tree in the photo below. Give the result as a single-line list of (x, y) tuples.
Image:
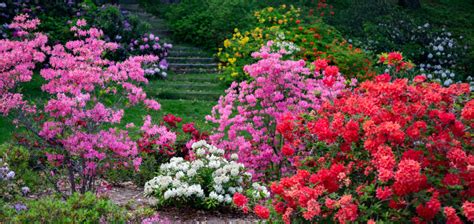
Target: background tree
[(412, 4)]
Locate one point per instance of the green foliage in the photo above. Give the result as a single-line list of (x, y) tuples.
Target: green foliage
[(115, 24), (86, 208), (360, 13), (56, 27), (208, 22), (21, 161), (301, 38), (381, 26), (148, 168)]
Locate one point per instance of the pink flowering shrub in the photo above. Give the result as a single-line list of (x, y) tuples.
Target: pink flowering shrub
[(77, 124), (18, 59), (247, 114)]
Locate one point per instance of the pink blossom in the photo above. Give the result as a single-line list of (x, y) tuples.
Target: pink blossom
[(81, 22), (152, 104), (77, 120), (247, 114)]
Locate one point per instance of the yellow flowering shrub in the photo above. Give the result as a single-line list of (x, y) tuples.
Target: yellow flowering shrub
[(302, 40)]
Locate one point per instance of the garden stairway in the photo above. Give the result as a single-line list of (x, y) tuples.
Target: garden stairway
[(193, 71)]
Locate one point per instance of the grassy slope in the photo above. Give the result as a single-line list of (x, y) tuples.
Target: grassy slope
[(189, 110)]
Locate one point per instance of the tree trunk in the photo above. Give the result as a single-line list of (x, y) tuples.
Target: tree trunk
[(411, 4)]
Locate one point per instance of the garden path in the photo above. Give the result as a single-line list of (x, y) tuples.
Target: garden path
[(130, 196), (192, 82), (192, 69)]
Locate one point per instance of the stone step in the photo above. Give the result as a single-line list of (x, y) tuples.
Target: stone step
[(176, 87), (186, 48), (178, 53), (155, 21), (160, 32), (190, 59), (132, 8), (188, 95), (159, 27), (195, 70), (200, 78), (191, 65), (197, 86), (144, 15)]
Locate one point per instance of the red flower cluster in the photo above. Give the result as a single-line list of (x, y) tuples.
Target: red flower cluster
[(395, 59), (240, 200), (308, 193), (172, 120), (149, 143), (468, 210), (261, 211), (394, 144), (196, 135)]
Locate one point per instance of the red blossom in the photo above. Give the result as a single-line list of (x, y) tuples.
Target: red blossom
[(419, 78), (171, 120), (408, 178), (468, 210), (331, 71), (188, 128), (287, 150), (451, 180), (383, 78), (347, 213), (262, 211), (383, 193), (394, 57), (468, 111), (240, 200), (429, 210), (451, 216), (320, 64)]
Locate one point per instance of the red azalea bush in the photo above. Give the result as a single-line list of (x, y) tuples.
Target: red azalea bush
[(389, 151)]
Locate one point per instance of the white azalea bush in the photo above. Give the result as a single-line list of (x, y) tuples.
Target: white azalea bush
[(208, 181)]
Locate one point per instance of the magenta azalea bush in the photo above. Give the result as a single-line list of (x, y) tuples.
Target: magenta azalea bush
[(77, 126), (247, 114), (18, 59)]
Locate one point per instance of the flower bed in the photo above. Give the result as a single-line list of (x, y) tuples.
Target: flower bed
[(295, 37), (391, 148), (207, 181)]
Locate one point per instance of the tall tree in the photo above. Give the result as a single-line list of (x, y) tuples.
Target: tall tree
[(412, 4)]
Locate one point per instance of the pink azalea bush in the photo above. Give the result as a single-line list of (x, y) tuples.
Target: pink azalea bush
[(247, 114), (18, 59), (77, 125)]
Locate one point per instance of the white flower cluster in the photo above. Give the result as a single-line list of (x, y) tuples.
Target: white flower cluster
[(437, 53), (5, 172), (441, 56), (259, 192), (182, 181), (283, 46), (156, 70)]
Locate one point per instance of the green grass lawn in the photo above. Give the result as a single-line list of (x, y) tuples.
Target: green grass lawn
[(189, 110)]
